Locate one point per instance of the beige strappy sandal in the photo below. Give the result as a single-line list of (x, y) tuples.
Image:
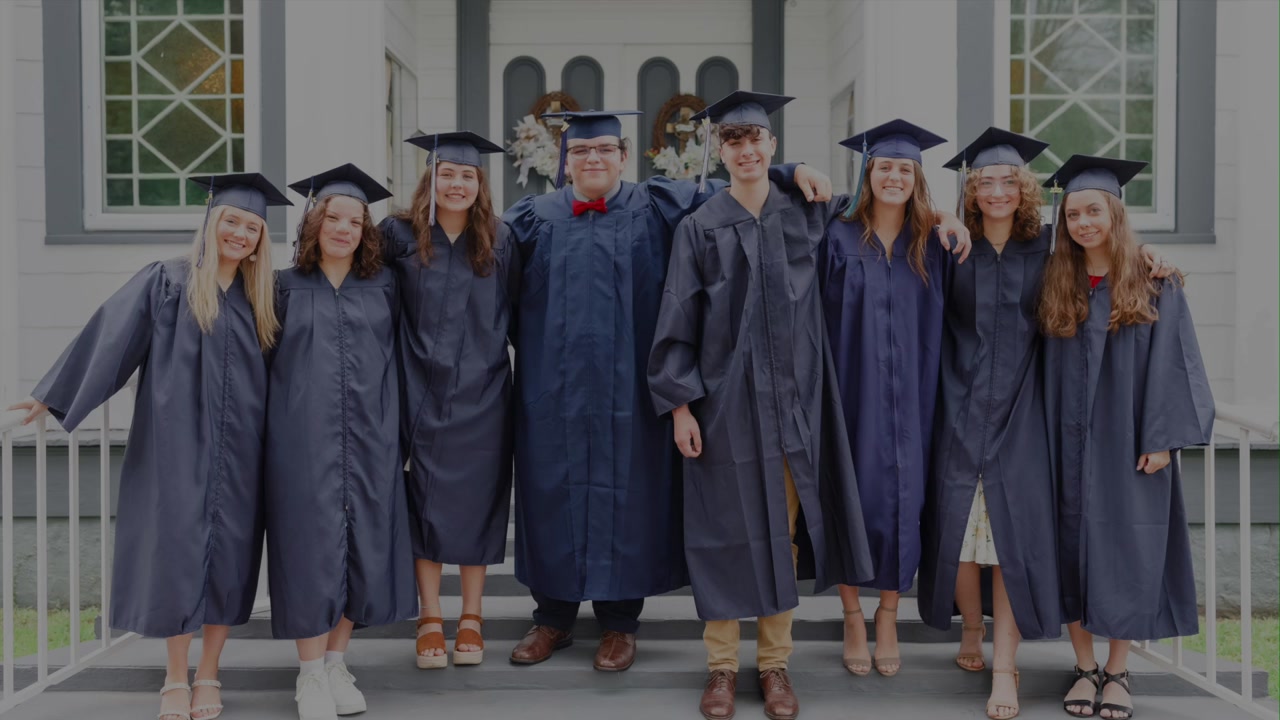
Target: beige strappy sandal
[(981, 662), (992, 705), (180, 714), (215, 707), (885, 662), (860, 666)]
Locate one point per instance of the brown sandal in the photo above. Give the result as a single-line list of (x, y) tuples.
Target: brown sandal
[(431, 641), (467, 636), (960, 658), (860, 666)]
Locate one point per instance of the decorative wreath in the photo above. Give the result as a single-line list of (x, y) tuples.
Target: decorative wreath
[(549, 103), (669, 108), (683, 162), (536, 146)]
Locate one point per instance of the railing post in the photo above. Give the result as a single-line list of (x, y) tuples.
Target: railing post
[(6, 537), (42, 553), (104, 524), (1211, 560), (73, 540), (1246, 570)]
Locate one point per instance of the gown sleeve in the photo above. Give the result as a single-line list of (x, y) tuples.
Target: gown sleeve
[(102, 358), (1177, 404), (386, 228), (522, 223), (508, 269), (674, 375)]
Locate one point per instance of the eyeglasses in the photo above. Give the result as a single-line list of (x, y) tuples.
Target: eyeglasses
[(605, 152)]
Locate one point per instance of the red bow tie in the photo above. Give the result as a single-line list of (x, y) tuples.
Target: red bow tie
[(598, 205)]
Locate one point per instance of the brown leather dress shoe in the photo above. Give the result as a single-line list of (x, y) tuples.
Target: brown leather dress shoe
[(617, 651), (539, 643), (717, 698), (780, 701)]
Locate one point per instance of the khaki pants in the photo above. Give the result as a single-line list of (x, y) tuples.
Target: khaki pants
[(773, 643)]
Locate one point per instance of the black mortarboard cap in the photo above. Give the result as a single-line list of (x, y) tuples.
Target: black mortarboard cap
[(462, 147), (343, 180), (742, 107), (997, 147), (1088, 172)]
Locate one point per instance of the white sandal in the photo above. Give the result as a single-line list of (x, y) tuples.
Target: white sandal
[(217, 708), (170, 687)]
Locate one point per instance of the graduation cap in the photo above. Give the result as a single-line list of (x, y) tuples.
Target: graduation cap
[(251, 192), (585, 125), (894, 139), (1089, 172), (997, 147), (462, 147), (993, 147), (346, 180), (740, 107)]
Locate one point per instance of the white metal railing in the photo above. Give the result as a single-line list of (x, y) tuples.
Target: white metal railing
[(1233, 423), (10, 428), (1244, 426)]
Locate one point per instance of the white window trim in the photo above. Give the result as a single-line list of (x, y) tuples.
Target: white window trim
[(407, 158), (1165, 152), (96, 217)]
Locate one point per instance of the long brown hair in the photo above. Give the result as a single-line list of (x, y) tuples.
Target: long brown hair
[(482, 226), (919, 215), (368, 259), (1064, 299), (1026, 218), (259, 281)]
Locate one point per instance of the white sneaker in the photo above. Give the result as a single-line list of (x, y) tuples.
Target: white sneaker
[(342, 688), (314, 700)]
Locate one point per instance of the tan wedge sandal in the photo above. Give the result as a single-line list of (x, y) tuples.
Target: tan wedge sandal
[(431, 641), (467, 636)]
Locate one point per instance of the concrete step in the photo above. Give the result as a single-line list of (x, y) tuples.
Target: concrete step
[(501, 579), (387, 665), (664, 618), (600, 703)]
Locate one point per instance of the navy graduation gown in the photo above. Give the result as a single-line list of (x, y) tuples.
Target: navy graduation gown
[(741, 339), (991, 427), (597, 476), (885, 325), (189, 520), (337, 522), (1124, 550), (456, 426)]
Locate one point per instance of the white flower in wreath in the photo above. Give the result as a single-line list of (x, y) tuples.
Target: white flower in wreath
[(687, 165), (534, 149)]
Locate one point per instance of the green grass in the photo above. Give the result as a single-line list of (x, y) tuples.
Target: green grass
[(1266, 646), (24, 626)]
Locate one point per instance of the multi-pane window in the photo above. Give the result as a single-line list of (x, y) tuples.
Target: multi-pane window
[(171, 83), (1097, 77), (402, 121)]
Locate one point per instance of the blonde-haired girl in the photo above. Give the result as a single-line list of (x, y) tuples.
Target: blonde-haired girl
[(189, 523)]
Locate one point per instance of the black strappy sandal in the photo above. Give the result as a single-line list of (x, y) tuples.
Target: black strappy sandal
[(1075, 708), (1121, 679)]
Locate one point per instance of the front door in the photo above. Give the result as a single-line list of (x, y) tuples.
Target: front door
[(609, 54)]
